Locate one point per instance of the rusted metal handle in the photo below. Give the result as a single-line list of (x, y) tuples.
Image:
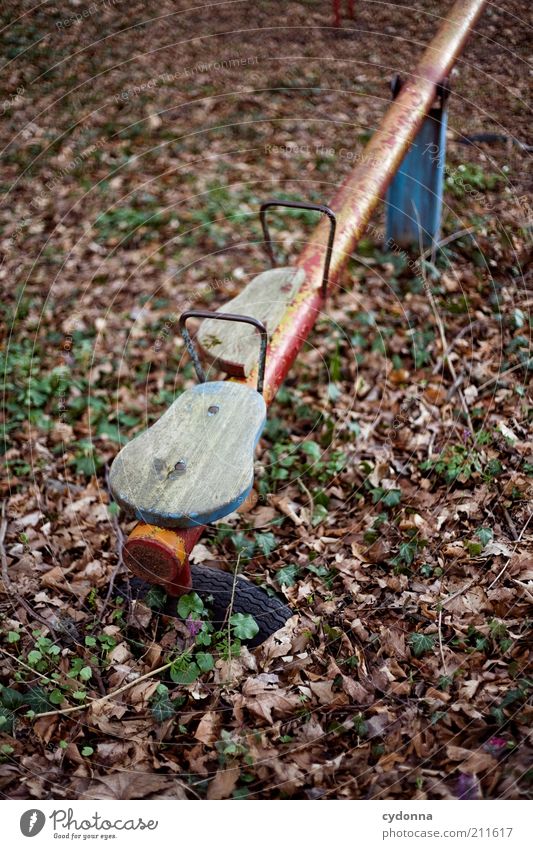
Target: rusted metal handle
[(224, 316), (312, 207)]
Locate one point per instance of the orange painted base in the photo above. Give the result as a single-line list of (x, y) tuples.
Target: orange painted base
[(160, 556)]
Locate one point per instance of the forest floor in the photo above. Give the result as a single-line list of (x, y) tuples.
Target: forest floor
[(394, 475)]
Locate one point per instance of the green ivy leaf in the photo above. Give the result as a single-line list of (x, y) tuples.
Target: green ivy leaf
[(319, 514), (204, 660), (13, 636), (190, 605), (407, 551), (11, 699), (86, 673), (244, 626), (484, 535), (6, 721), (392, 497), (286, 576), (161, 705), (243, 545), (421, 643), (313, 451), (79, 695), (184, 671), (37, 700), (56, 697), (156, 598), (266, 543)]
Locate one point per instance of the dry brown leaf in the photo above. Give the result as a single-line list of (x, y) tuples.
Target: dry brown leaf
[(127, 785), (223, 784), (208, 730)]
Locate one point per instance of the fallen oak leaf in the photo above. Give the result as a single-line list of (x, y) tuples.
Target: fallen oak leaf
[(223, 784), (209, 728)]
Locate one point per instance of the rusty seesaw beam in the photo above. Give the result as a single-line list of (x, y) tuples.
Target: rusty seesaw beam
[(160, 555)]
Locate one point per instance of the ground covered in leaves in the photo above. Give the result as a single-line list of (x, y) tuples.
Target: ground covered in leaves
[(394, 475)]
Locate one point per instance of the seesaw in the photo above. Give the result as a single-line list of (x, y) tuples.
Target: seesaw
[(195, 465)]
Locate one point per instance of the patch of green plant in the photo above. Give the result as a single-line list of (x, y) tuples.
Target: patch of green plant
[(288, 575), (195, 660), (455, 463), (484, 536), (461, 180), (373, 532), (429, 570), (231, 748), (517, 696), (28, 390), (307, 460), (422, 341), (408, 551), (130, 223), (386, 497), (163, 706), (475, 641), (500, 635)]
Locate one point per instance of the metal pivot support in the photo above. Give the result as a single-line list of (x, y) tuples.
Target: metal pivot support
[(224, 316), (312, 207), (414, 197)]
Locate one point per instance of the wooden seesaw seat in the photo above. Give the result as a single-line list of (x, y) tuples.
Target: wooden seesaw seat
[(267, 297), (195, 464)]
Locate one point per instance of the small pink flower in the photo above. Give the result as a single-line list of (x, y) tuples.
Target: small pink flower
[(194, 626), (496, 746), (467, 787)]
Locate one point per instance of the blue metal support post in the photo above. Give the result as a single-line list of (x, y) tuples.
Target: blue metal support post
[(414, 198)]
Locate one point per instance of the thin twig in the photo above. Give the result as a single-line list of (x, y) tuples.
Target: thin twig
[(311, 503), (230, 606), (457, 593), (436, 246), (511, 524), (107, 697), (3, 555), (25, 665), (499, 376), (524, 587), (441, 648), (521, 534), (452, 344)]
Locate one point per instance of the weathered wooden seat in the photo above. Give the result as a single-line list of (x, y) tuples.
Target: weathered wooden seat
[(195, 464), (266, 297)]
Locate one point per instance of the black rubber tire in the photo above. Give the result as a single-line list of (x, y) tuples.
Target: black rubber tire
[(215, 588)]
